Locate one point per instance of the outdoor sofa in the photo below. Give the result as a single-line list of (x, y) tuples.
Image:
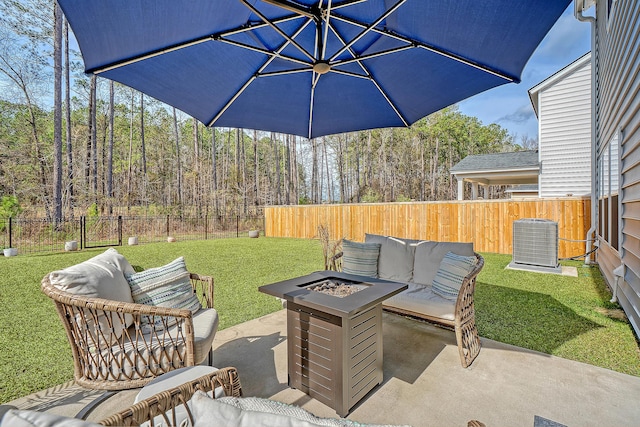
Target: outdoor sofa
[(126, 327), (441, 279)]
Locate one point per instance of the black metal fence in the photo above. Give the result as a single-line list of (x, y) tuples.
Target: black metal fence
[(42, 235)]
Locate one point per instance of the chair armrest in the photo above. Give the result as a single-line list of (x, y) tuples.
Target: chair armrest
[(203, 287), (164, 404), (101, 304)]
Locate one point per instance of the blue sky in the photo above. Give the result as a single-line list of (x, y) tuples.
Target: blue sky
[(509, 105)]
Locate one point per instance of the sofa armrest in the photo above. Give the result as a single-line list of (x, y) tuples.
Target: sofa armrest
[(465, 323), (335, 262), (164, 404)]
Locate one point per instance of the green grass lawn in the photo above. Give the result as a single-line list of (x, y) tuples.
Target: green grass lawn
[(565, 316)]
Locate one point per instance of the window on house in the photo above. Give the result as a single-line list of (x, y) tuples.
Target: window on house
[(608, 180)]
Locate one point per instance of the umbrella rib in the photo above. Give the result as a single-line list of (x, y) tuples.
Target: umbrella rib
[(368, 28), (285, 72), (257, 74), (278, 30), (431, 48), (138, 58), (264, 51), (371, 55), (351, 74), (370, 77), (326, 31)]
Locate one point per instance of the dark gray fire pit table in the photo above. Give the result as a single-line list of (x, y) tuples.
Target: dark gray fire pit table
[(334, 343)]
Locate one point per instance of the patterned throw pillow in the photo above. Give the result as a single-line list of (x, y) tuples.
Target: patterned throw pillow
[(452, 271), (360, 258), (166, 286)]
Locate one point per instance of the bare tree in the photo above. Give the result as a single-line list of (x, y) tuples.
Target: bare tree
[(57, 114), (110, 149), (67, 102), (176, 136)]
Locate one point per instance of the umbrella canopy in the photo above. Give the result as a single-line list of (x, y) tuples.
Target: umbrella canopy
[(310, 67)]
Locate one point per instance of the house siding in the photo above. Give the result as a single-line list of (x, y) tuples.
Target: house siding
[(565, 135), (617, 116)]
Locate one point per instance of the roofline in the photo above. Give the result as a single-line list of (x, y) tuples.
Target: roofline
[(555, 77), (522, 169)]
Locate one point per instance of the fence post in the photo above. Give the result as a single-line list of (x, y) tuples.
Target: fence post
[(82, 232), (206, 223), (119, 230), (237, 225), (167, 226), (10, 231)]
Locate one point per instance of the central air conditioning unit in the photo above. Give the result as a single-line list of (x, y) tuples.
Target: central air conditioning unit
[(535, 245)]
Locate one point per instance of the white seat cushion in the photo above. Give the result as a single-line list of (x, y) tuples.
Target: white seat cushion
[(205, 325), (422, 300)]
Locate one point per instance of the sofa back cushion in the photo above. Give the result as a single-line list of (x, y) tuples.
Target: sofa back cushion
[(396, 257), (167, 286), (429, 255), (102, 276), (360, 258)]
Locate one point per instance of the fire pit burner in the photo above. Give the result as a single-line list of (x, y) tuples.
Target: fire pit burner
[(336, 288)]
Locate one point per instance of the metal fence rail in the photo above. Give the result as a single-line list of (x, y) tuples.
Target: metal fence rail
[(42, 235)]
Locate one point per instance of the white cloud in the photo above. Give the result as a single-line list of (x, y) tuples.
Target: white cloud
[(522, 114)]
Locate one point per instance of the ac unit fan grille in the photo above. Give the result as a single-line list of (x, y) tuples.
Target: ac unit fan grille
[(535, 242)]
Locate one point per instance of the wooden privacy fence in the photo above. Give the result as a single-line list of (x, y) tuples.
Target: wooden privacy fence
[(486, 223)]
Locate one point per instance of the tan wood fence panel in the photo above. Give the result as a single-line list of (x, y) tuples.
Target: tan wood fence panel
[(486, 223)]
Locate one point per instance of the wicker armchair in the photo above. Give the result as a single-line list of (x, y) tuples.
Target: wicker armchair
[(166, 403), (464, 323), (129, 358)]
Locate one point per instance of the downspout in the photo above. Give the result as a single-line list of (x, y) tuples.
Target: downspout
[(590, 238)]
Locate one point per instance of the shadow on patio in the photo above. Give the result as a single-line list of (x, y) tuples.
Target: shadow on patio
[(424, 383)]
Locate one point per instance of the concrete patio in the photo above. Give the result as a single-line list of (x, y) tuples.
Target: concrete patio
[(424, 384)]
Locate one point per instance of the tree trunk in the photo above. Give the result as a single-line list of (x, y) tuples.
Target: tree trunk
[(287, 178), (94, 141), (57, 115), (357, 156), (176, 135), (130, 161), (196, 166), (244, 176), (67, 102), (276, 155), (214, 171), (256, 178), (110, 150), (314, 171), (144, 152), (294, 170), (329, 180), (434, 171)]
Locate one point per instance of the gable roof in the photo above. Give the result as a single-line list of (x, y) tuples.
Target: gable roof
[(498, 161), (519, 167)]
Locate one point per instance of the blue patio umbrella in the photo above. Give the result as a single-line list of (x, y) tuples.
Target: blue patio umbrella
[(310, 67)]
